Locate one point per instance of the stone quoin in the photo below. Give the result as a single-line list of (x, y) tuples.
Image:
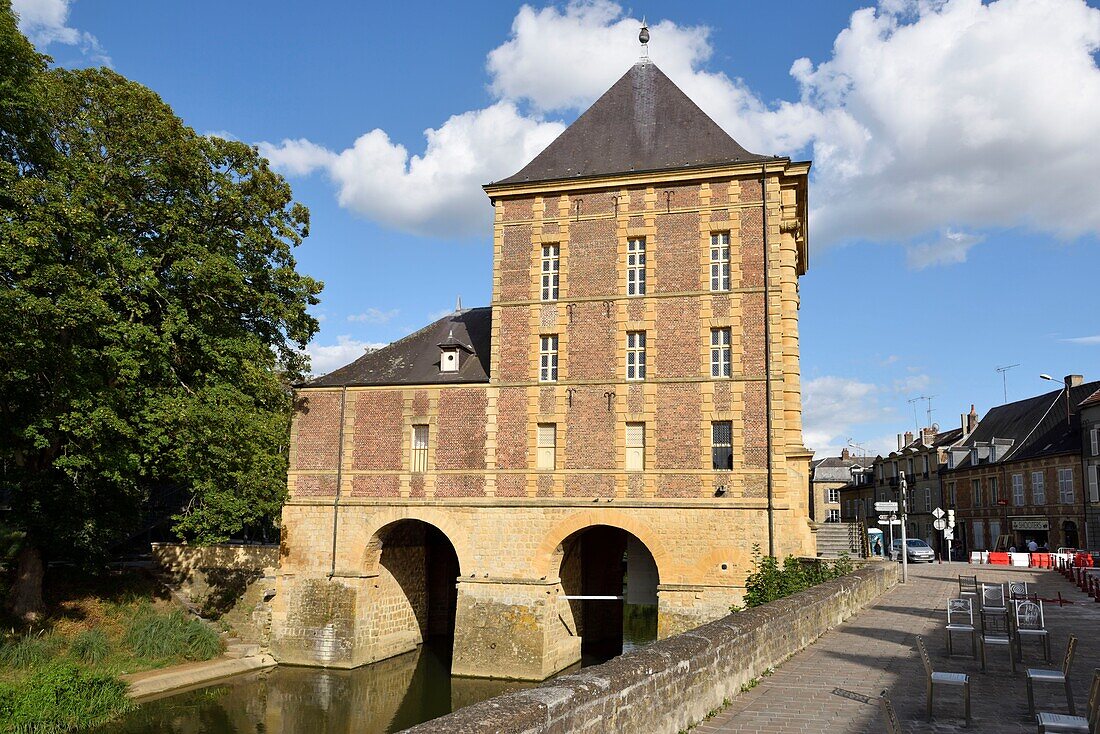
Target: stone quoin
[(605, 416)]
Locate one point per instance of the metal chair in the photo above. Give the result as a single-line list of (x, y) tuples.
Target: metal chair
[(993, 598), (968, 587), (1018, 590), (1065, 724), (1053, 676), (947, 679), (1031, 623), (960, 618), (995, 631), (893, 724)]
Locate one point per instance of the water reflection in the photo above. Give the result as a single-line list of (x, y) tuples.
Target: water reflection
[(387, 696)]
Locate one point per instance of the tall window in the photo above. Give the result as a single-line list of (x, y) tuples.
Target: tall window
[(635, 446), (419, 456), (721, 442), (976, 491), (925, 465), (950, 494), (993, 496), (1094, 439), (1038, 488), (635, 355), (1018, 489), (635, 267), (1065, 486), (547, 445), (720, 261), (833, 516), (927, 499), (832, 495), (548, 358), (719, 352), (909, 465), (1094, 484), (550, 263)]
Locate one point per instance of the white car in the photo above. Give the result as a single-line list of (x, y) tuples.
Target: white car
[(917, 549)]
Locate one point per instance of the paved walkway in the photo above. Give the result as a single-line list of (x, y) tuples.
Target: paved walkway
[(876, 650)]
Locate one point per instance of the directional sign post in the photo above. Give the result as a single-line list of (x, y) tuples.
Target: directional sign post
[(886, 507)]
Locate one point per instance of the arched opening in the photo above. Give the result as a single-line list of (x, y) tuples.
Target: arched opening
[(609, 579), (1070, 538), (416, 589)]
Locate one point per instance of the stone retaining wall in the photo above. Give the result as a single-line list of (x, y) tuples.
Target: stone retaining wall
[(674, 683)]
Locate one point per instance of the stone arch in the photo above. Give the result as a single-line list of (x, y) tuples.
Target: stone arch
[(548, 554), (366, 558)]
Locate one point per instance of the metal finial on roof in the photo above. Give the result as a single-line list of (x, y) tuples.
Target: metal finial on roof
[(643, 38)]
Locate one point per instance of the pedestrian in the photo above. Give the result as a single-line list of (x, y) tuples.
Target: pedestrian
[(877, 548), (1032, 546)]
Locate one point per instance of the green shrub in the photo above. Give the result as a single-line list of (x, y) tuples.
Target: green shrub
[(90, 646), (29, 651), (769, 581), (60, 698), (153, 636)]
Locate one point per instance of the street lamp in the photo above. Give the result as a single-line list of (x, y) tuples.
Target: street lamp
[(1065, 388)]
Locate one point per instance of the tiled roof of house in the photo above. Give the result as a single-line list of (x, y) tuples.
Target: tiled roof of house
[(644, 122), (414, 359), (1093, 399), (837, 469), (1037, 426)]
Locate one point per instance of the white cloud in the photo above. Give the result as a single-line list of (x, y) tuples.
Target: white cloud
[(950, 249), (326, 358), (931, 122), (832, 407), (1089, 340), (46, 21), (912, 383), (374, 316), (437, 193)]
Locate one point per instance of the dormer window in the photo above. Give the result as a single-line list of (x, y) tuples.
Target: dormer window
[(448, 359)]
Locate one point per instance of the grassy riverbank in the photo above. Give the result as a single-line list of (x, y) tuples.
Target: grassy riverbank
[(62, 675)]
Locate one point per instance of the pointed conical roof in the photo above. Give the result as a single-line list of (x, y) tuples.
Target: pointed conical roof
[(643, 123)]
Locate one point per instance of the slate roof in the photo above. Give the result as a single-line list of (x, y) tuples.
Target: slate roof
[(644, 122), (414, 359), (1037, 425), (837, 469)]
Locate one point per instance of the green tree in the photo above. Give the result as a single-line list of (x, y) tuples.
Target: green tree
[(152, 319)]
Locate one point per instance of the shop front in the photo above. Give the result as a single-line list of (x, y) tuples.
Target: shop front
[(1025, 528)]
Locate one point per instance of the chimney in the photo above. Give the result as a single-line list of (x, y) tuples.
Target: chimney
[(844, 454), (1074, 380), (971, 420), (962, 422), (908, 438), (928, 436), (901, 442)]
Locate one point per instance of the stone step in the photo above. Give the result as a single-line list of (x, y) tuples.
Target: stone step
[(241, 650)]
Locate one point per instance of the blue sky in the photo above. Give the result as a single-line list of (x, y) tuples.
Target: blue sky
[(954, 189)]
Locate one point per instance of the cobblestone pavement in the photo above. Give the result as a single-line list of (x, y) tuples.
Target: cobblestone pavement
[(875, 650)]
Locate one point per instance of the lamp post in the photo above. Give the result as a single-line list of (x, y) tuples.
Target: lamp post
[(1065, 388)]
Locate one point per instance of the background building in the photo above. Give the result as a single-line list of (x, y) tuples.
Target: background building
[(1090, 465), (1019, 475)]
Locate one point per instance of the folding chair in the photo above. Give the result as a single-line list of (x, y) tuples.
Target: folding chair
[(947, 679), (1030, 623), (1064, 724), (1053, 676), (995, 631), (960, 618)]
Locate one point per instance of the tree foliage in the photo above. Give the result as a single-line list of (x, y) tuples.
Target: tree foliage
[(769, 580), (152, 311)]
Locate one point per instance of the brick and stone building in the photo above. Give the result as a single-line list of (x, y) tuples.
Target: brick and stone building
[(1090, 465), (491, 475), (1019, 476), (827, 477)]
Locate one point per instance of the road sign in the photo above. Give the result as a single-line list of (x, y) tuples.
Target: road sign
[(886, 507), (938, 513), (940, 524), (889, 522), (949, 534)]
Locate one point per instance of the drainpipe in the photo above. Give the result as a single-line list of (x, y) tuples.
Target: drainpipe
[(767, 361), (339, 479)]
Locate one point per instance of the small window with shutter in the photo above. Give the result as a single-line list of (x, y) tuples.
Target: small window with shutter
[(635, 446), (547, 445), (721, 441)]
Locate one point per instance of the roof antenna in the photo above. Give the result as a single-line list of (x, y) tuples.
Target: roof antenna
[(458, 304), (643, 37)]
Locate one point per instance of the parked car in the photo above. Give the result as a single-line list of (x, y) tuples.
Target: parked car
[(917, 550)]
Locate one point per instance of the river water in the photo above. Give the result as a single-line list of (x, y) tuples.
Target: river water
[(384, 697)]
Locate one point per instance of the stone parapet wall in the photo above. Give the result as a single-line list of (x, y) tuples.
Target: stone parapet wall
[(674, 683), (180, 559)]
